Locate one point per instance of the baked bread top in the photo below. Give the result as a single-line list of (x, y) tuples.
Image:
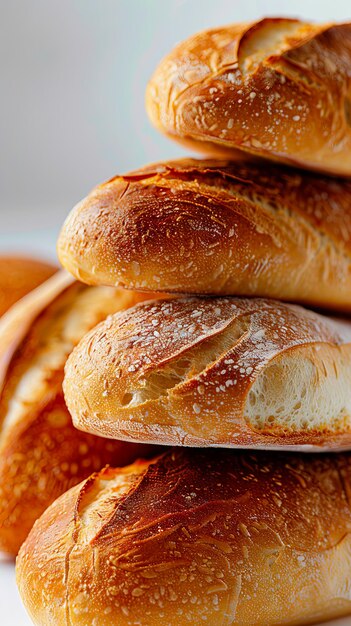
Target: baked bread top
[(229, 372), (215, 536), (216, 227), (276, 88)]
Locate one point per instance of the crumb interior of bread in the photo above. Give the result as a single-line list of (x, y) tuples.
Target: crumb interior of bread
[(39, 371), (293, 394)]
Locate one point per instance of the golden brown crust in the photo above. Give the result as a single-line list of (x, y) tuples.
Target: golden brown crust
[(275, 88), (18, 276), (224, 537), (216, 227), (224, 372), (44, 457), (41, 453)]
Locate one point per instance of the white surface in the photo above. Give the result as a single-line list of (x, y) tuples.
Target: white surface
[(71, 114), (12, 612)]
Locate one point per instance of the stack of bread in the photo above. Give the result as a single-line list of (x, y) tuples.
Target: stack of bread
[(236, 523)]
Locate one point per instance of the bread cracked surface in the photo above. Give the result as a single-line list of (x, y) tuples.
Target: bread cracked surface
[(41, 453), (216, 227), (226, 372), (276, 88), (222, 537)]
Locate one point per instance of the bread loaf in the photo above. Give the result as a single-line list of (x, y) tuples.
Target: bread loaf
[(195, 537), (224, 372), (275, 88), (18, 276), (216, 227), (41, 453)]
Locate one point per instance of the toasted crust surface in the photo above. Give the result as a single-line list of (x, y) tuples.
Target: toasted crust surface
[(220, 537), (216, 227), (41, 453), (276, 88), (224, 372), (18, 276)]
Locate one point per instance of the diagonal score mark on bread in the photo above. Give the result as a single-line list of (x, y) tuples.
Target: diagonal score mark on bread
[(268, 38), (38, 375), (41, 453), (15, 327), (187, 365), (273, 89), (234, 528), (98, 498), (224, 372), (277, 43), (280, 390)]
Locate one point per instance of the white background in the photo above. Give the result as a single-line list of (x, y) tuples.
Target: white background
[(73, 76)]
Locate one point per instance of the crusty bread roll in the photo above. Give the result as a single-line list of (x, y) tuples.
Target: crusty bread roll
[(195, 537), (224, 372), (41, 453), (18, 276), (216, 227), (275, 88)]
